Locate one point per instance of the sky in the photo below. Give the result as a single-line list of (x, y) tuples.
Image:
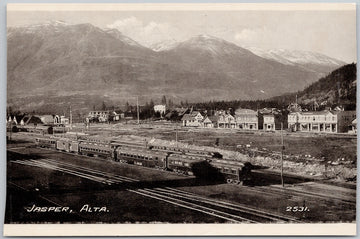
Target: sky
[(332, 33)]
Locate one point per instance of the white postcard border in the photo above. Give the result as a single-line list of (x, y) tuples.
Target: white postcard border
[(341, 229)]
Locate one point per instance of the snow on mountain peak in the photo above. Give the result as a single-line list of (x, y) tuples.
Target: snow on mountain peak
[(164, 45), (214, 45), (118, 35), (292, 57), (53, 23)]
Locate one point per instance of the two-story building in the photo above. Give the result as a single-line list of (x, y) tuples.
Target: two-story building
[(194, 119), (210, 121), (101, 116), (246, 119), (160, 108), (226, 121), (321, 121), (273, 121), (318, 121), (269, 122), (345, 119), (293, 121)]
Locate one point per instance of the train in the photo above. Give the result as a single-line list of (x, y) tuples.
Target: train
[(200, 163)]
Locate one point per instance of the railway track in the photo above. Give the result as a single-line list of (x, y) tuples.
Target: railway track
[(87, 173), (227, 211), (298, 194), (232, 211)]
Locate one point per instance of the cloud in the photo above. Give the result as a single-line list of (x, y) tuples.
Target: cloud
[(146, 33), (246, 35), (267, 37)]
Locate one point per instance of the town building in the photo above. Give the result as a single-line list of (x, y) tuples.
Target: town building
[(194, 119), (344, 120), (321, 121), (269, 122), (101, 116), (160, 108), (226, 120), (116, 116), (271, 119), (49, 119), (246, 119), (64, 120), (293, 121), (274, 121), (210, 121)]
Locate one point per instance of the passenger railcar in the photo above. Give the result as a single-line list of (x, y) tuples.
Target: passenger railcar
[(67, 145), (234, 171), (141, 157), (182, 163), (96, 149), (187, 151), (208, 165), (46, 142)]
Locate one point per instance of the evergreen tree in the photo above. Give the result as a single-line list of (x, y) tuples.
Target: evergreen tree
[(103, 107), (163, 100), (127, 107)]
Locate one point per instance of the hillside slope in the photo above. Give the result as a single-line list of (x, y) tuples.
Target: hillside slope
[(337, 88)]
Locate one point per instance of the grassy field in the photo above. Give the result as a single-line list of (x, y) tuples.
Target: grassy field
[(336, 149)]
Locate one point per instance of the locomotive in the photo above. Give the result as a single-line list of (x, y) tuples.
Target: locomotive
[(202, 164)]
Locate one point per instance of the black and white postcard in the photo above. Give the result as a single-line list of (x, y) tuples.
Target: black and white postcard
[(181, 119)]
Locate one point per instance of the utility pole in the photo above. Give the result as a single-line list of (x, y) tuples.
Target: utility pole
[(70, 118), (137, 109), (10, 131), (282, 157), (176, 136)]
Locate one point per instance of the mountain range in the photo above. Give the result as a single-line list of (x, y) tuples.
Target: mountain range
[(56, 64)]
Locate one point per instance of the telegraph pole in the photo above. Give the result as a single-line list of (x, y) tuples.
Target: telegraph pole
[(10, 131), (137, 109), (282, 157), (70, 118), (176, 136)]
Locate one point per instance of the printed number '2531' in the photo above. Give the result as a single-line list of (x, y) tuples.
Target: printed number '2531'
[(297, 209)]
